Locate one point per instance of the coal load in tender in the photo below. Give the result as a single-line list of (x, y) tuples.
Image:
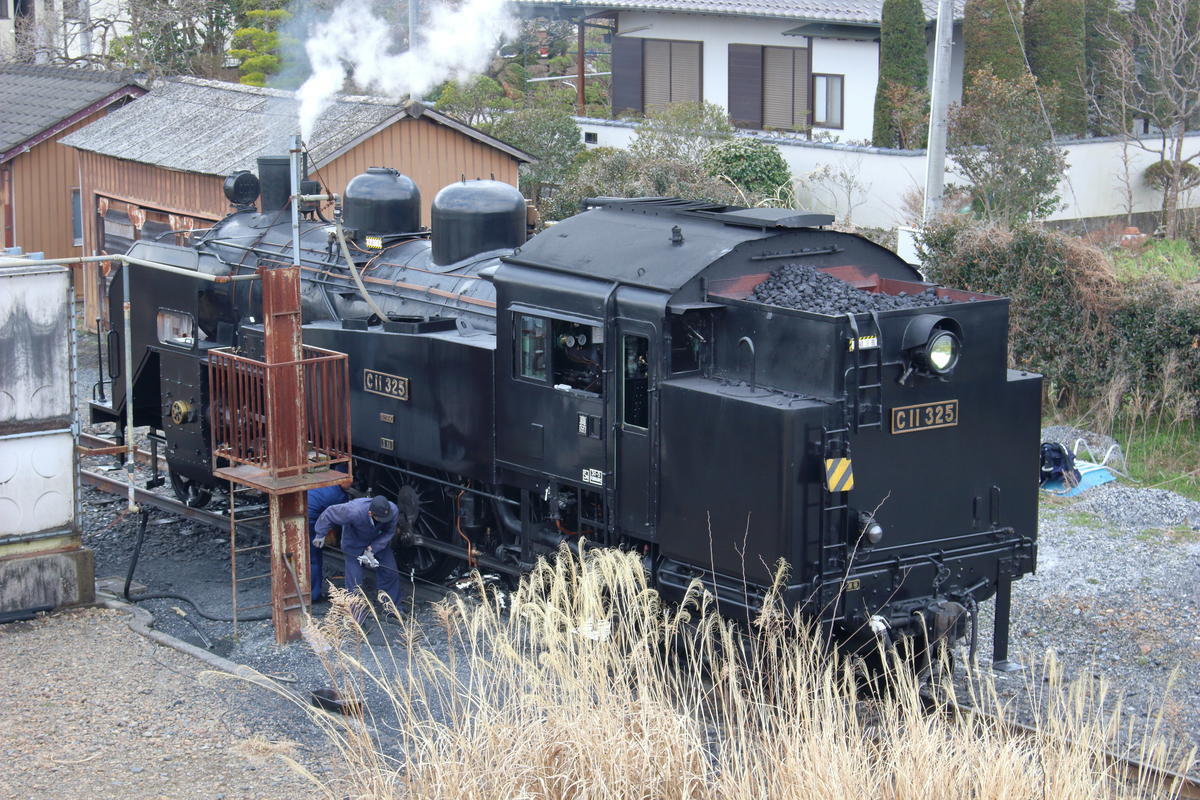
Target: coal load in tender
[(808, 289)]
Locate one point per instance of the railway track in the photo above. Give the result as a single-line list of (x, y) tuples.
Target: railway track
[(1186, 788)]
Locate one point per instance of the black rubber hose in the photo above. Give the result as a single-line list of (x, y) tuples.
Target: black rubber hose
[(133, 562)]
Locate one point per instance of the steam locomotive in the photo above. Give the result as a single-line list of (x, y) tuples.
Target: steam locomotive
[(614, 378)]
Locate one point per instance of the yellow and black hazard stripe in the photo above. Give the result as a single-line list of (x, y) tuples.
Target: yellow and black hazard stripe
[(839, 474)]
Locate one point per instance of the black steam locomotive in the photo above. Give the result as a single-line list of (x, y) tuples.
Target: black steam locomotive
[(614, 378)]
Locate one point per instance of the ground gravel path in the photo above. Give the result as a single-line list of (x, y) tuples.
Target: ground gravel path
[(93, 710)]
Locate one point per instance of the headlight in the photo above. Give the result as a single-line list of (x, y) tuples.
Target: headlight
[(941, 353)]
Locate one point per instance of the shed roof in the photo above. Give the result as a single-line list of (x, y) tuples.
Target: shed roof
[(215, 128), (850, 12), (38, 98)]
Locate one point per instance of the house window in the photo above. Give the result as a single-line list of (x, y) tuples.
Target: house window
[(828, 97), (590, 137), (76, 211), (3, 9), (670, 73), (785, 88)]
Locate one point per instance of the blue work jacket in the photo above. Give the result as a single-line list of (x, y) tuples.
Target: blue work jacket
[(358, 531), (321, 499)]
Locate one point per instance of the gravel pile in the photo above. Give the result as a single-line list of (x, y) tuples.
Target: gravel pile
[(1140, 509), (806, 288)]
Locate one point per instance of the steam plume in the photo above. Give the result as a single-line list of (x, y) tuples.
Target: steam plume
[(355, 42)]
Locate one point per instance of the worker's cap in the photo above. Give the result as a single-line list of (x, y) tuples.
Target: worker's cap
[(383, 511)]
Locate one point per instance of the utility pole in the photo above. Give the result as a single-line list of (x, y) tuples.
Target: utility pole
[(935, 158), (580, 97)]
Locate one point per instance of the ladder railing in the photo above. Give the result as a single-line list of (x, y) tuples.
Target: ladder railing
[(864, 376)]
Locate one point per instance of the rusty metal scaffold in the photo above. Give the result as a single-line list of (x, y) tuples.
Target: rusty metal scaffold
[(279, 426)]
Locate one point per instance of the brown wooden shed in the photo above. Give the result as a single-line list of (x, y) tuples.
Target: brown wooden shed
[(40, 210), (156, 169)]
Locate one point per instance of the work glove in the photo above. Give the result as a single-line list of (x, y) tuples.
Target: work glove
[(368, 559), (319, 542)]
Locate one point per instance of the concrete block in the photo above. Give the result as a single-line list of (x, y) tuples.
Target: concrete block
[(52, 579)]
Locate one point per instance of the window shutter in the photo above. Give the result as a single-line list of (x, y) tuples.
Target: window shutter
[(800, 91), (627, 74), (746, 85), (656, 66), (685, 72), (778, 87)]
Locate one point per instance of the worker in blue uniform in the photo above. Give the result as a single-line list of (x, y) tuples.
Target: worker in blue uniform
[(318, 501), (368, 525)]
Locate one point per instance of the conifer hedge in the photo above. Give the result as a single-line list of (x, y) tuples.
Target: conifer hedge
[(901, 62), (1054, 37), (992, 39)]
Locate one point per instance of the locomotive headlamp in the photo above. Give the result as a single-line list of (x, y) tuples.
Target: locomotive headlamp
[(941, 353), (932, 346)]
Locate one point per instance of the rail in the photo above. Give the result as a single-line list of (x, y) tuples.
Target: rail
[(242, 422)]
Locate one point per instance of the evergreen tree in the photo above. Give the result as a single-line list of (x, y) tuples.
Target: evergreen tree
[(992, 40), (1054, 36), (1103, 26), (901, 63)]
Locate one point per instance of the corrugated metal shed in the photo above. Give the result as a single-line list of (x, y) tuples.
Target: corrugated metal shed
[(215, 128), (851, 12), (34, 98)]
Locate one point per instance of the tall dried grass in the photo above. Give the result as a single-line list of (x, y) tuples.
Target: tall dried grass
[(581, 684)]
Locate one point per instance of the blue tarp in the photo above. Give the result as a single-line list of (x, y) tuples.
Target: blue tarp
[(1090, 475)]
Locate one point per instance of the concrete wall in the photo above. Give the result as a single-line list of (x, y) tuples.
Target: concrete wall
[(868, 186)]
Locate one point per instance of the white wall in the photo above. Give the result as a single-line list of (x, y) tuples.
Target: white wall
[(89, 32), (867, 186), (858, 61)]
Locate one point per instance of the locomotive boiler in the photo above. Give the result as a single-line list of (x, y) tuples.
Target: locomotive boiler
[(617, 377)]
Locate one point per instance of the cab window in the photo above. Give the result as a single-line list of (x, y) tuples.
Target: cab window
[(531, 347), (568, 355), (578, 355), (635, 384), (690, 335), (177, 328)]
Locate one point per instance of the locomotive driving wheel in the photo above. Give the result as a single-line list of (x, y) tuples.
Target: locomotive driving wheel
[(188, 490), (428, 509)]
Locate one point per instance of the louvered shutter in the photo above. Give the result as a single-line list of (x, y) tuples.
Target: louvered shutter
[(778, 87), (627, 74), (656, 70), (685, 72), (800, 85), (745, 85)]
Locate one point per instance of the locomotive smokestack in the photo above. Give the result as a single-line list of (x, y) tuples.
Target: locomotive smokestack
[(274, 173)]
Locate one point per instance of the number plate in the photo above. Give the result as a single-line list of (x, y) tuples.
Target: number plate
[(387, 385), (925, 416)]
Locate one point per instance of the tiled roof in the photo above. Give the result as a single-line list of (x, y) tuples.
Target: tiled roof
[(34, 97), (852, 12), (215, 128)]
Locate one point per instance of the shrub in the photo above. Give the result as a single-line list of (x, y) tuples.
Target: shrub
[(1071, 320), (754, 167), (1161, 174), (1000, 143), (551, 136)]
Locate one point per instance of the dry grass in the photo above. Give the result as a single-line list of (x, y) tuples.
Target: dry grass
[(582, 685)]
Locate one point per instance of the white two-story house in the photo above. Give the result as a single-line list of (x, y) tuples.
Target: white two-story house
[(805, 65)]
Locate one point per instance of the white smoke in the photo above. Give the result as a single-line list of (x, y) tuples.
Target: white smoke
[(452, 44)]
